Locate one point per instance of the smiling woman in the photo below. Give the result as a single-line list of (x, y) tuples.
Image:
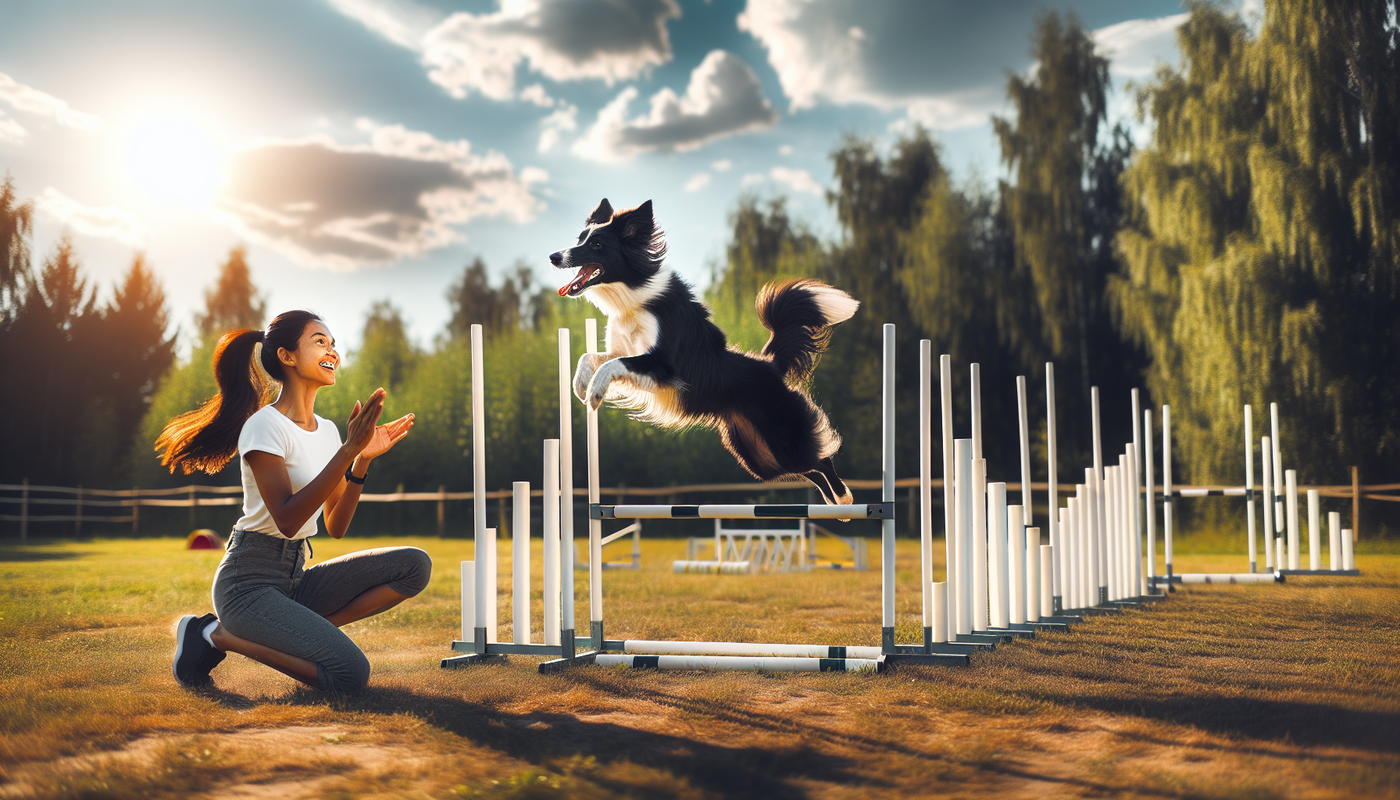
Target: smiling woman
[(173, 160)]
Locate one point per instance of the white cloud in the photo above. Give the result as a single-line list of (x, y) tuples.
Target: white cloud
[(1135, 47), (553, 127), (32, 101), (722, 99), (697, 182), (400, 21), (798, 180), (11, 132), (108, 222), (535, 93), (784, 149), (342, 206), (722, 165)]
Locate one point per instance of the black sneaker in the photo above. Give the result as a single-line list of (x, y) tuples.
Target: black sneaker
[(194, 656)]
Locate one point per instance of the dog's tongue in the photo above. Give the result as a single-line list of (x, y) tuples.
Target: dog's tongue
[(576, 285)]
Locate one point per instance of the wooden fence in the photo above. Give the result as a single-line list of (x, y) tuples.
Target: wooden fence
[(127, 503)]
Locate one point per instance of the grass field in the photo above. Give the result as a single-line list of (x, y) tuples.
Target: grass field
[(1222, 691)]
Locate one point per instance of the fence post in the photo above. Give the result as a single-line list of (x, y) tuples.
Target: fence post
[(135, 508), (442, 510), (1355, 504), (78, 514), (24, 512)]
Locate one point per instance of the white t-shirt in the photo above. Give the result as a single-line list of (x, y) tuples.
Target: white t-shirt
[(306, 453)]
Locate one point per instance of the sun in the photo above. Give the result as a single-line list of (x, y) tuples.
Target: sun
[(174, 160)]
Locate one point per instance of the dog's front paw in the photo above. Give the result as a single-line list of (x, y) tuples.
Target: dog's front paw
[(583, 376), (598, 386)]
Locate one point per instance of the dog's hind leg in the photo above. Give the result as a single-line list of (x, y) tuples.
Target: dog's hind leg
[(833, 489)]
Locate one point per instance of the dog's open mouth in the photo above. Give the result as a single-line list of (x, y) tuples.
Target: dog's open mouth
[(586, 274)]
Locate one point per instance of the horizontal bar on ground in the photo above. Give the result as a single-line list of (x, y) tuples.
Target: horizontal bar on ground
[(768, 664), (761, 511), (653, 647), (1228, 577), (1338, 572)]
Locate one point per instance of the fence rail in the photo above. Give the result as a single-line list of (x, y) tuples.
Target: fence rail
[(26, 496)]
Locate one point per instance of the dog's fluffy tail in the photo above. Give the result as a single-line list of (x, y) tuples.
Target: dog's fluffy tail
[(800, 313)]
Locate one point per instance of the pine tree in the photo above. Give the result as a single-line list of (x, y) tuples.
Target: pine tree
[(232, 302)]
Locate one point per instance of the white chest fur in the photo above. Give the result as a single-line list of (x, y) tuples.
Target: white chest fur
[(632, 330)]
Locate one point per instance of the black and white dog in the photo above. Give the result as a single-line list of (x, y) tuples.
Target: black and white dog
[(667, 360)]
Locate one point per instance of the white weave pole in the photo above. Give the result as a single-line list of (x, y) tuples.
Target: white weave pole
[(1125, 521), (1290, 487), (1032, 568), (1268, 504), (1112, 532), (925, 486), (1135, 492), (520, 561), (1023, 419), (1314, 531), (595, 526), (1249, 485), (979, 544), (997, 511), (1334, 540), (950, 536), (481, 581), (1151, 500), (1089, 503), (1348, 554), (1167, 486), (1016, 534), (962, 609), (887, 493), (566, 481), (1047, 569), (1279, 512), (940, 612), (1074, 586), (1082, 521), (976, 410), (550, 520), (1061, 567)]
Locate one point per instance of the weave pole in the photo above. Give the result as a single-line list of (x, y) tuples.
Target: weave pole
[(1060, 571), (1167, 487), (963, 474), (520, 561), (550, 519), (887, 494), (1334, 540), (980, 543), (1314, 531), (925, 486), (1135, 493), (952, 579), (1268, 473), (1249, 486), (566, 491), (595, 526), (996, 522), (1151, 501), (1023, 418), (1277, 454), (480, 579), (1290, 483)]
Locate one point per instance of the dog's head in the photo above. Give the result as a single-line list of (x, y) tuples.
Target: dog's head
[(623, 248)]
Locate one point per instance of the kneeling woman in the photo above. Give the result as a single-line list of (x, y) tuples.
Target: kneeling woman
[(270, 606)]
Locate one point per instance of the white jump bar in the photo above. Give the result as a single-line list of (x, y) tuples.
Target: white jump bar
[(649, 647), (738, 663), (762, 511)]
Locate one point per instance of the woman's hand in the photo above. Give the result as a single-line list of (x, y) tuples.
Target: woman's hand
[(367, 439), (386, 436)]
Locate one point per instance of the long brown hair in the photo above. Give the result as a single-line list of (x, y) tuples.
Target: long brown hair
[(206, 439)]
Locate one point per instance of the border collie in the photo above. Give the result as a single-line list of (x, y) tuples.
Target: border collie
[(668, 362)]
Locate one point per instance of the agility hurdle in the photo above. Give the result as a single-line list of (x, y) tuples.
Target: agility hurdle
[(479, 616)]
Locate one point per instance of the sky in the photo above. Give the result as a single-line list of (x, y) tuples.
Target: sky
[(365, 150)]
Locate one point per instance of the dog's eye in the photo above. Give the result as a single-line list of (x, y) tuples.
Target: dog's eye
[(595, 244)]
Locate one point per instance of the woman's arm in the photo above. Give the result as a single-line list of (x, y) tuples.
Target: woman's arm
[(341, 505), (290, 510)]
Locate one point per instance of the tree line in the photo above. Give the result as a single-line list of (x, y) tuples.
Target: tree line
[(1246, 254)]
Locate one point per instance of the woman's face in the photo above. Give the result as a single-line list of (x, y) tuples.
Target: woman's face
[(315, 359)]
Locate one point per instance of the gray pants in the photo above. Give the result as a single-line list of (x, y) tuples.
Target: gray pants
[(263, 593)]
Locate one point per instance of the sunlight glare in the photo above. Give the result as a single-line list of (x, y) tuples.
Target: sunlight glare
[(173, 160)]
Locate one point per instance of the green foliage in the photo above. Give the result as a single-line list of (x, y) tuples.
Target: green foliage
[(1261, 249), (232, 302), (16, 226)]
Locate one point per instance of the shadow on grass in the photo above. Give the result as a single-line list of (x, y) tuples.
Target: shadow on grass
[(1306, 724), (16, 555)]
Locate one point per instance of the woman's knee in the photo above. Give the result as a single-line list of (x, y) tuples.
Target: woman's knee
[(347, 673), (415, 572)]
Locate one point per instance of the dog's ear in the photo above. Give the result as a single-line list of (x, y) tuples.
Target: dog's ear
[(601, 214), (638, 223)]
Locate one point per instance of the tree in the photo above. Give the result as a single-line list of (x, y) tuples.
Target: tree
[(135, 351), (232, 302), (16, 226), (1263, 243)]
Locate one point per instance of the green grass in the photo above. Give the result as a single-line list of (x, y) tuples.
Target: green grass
[(1221, 691)]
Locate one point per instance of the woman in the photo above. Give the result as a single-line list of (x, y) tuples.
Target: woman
[(270, 607)]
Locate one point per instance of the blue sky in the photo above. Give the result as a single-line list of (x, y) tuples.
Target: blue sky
[(369, 149)]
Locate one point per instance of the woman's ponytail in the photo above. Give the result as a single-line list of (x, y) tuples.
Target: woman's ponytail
[(206, 439)]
